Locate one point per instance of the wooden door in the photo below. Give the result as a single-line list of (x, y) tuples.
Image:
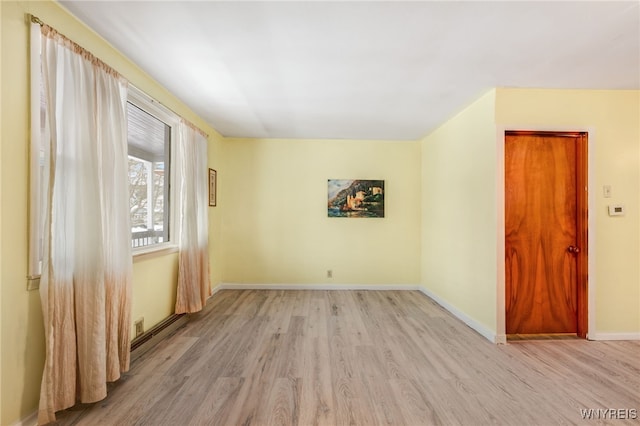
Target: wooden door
[(545, 233)]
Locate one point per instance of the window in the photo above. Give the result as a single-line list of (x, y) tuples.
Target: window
[(150, 130)]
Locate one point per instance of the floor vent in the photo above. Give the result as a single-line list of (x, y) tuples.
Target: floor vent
[(153, 336)]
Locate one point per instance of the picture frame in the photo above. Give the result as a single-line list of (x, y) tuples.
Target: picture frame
[(355, 198), (213, 182)]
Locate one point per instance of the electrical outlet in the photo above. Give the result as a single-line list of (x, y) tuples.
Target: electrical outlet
[(139, 327), (329, 273)]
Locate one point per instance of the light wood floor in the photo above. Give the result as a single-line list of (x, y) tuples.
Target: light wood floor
[(360, 358)]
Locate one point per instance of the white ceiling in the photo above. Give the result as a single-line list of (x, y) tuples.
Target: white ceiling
[(364, 70)]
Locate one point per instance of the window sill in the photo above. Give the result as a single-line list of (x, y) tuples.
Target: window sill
[(155, 251)]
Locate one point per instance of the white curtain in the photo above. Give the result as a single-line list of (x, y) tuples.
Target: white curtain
[(193, 229), (86, 276)]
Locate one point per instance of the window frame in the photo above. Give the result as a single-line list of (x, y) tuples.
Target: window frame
[(152, 107)]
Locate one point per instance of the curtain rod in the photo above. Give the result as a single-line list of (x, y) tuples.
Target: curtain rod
[(35, 19)]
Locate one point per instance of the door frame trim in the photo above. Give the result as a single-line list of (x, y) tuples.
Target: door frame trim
[(501, 336)]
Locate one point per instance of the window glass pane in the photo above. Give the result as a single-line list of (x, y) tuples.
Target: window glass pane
[(149, 148)]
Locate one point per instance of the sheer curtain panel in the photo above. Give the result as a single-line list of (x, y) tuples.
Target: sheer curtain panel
[(86, 271), (193, 222)]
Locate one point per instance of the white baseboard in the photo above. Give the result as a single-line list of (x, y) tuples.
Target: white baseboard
[(613, 336), (501, 339), (475, 325), (31, 420), (245, 286)]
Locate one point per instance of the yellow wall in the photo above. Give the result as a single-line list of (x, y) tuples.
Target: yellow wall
[(613, 121), (21, 322), (459, 213), (22, 338), (1, 238), (215, 214), (275, 224)]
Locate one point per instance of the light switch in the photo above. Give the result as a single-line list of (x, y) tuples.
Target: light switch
[(606, 191)]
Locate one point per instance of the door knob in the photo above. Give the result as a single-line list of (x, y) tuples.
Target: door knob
[(573, 249)]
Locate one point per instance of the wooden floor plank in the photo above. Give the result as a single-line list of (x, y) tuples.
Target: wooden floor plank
[(283, 406), (317, 390), (260, 357), (164, 356), (215, 407)]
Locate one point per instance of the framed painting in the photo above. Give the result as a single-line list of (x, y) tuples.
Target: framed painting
[(355, 198), (213, 178)]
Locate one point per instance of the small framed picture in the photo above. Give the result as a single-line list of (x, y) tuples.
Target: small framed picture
[(213, 178), (355, 198)]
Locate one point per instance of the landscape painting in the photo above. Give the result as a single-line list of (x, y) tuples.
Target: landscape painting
[(355, 198)]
